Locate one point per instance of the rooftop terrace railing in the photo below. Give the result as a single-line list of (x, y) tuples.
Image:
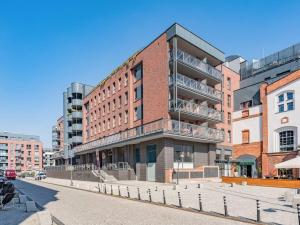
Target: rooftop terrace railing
[(163, 126), (276, 59), (197, 86), (199, 65)]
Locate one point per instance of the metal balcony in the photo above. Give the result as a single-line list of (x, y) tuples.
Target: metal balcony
[(196, 88), (157, 129), (191, 110), (205, 69)]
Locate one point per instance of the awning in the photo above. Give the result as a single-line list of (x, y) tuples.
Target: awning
[(289, 164)]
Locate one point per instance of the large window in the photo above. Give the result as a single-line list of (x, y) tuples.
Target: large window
[(138, 72), (138, 112), (138, 92), (246, 105), (186, 151), (286, 140), (285, 102)]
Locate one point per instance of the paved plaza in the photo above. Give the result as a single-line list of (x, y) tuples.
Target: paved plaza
[(241, 200), (74, 207)]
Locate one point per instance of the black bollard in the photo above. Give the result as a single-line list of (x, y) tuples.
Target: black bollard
[(225, 206), (139, 195), (257, 211), (164, 197), (111, 190), (105, 189), (198, 185), (298, 211), (156, 188), (185, 187), (150, 198), (179, 200), (200, 203), (119, 190), (128, 194)]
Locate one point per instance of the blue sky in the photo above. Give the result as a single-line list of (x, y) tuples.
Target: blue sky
[(45, 45)]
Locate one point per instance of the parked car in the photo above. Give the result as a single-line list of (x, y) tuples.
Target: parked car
[(10, 174), (40, 175)]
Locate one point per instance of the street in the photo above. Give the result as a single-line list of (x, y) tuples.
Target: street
[(73, 206)]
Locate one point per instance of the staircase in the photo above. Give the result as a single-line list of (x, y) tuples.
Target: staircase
[(103, 176)]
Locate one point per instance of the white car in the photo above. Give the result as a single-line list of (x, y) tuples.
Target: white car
[(40, 175)]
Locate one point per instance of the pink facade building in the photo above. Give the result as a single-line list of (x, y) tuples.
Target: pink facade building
[(20, 152)]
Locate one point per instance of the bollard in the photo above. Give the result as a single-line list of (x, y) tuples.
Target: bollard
[(164, 197), (225, 206), (119, 190), (198, 185), (298, 191), (200, 203), (128, 194), (111, 190), (156, 188), (258, 211), (105, 189), (298, 211), (179, 200), (139, 195), (185, 187), (150, 198)]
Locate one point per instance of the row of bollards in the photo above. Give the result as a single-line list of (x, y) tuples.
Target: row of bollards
[(258, 209)]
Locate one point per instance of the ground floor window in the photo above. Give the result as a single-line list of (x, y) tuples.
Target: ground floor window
[(183, 153), (286, 140), (285, 173)]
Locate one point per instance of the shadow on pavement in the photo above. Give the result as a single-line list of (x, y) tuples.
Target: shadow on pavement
[(17, 215)]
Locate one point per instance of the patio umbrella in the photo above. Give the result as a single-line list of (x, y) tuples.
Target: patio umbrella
[(289, 164)]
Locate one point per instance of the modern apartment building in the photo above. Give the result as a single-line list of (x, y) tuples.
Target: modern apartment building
[(20, 152), (48, 157), (161, 107), (67, 133), (265, 119)]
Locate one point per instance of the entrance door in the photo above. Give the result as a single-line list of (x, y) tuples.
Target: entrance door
[(246, 170), (151, 162)]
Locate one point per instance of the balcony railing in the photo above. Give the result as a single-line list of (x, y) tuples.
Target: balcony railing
[(199, 65), (197, 86), (164, 127), (196, 109)]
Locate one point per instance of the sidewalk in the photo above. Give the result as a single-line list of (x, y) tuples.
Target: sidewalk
[(241, 200)]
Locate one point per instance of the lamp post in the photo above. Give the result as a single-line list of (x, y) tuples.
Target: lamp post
[(69, 157)]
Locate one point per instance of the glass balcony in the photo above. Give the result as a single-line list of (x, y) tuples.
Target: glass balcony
[(197, 87), (163, 128), (199, 65), (196, 110)]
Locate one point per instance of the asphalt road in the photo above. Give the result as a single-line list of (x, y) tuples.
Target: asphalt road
[(74, 207)]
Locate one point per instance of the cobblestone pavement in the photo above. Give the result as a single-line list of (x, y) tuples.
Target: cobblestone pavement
[(241, 200), (73, 207)]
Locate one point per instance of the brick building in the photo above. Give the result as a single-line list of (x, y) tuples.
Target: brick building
[(163, 105), (20, 152), (265, 124)]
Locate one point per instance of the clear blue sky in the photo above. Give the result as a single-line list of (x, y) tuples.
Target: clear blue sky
[(45, 45)]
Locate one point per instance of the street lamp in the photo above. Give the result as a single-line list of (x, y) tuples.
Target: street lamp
[(70, 157)]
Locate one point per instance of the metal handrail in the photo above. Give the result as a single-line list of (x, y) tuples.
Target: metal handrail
[(199, 64), (160, 126), (196, 86), (194, 108)]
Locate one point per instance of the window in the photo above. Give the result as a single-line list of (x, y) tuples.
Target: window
[(229, 118), (285, 102), (99, 127), (103, 111), (114, 122), (114, 104), (108, 124), (229, 101), (76, 95), (286, 140), (228, 83), (103, 95), (108, 91), (99, 97), (126, 98), (138, 93), (138, 72), (245, 136), (120, 119), (108, 107), (126, 79), (186, 151), (246, 105), (229, 136), (103, 126), (120, 101), (126, 117), (138, 114), (119, 83), (114, 87)]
